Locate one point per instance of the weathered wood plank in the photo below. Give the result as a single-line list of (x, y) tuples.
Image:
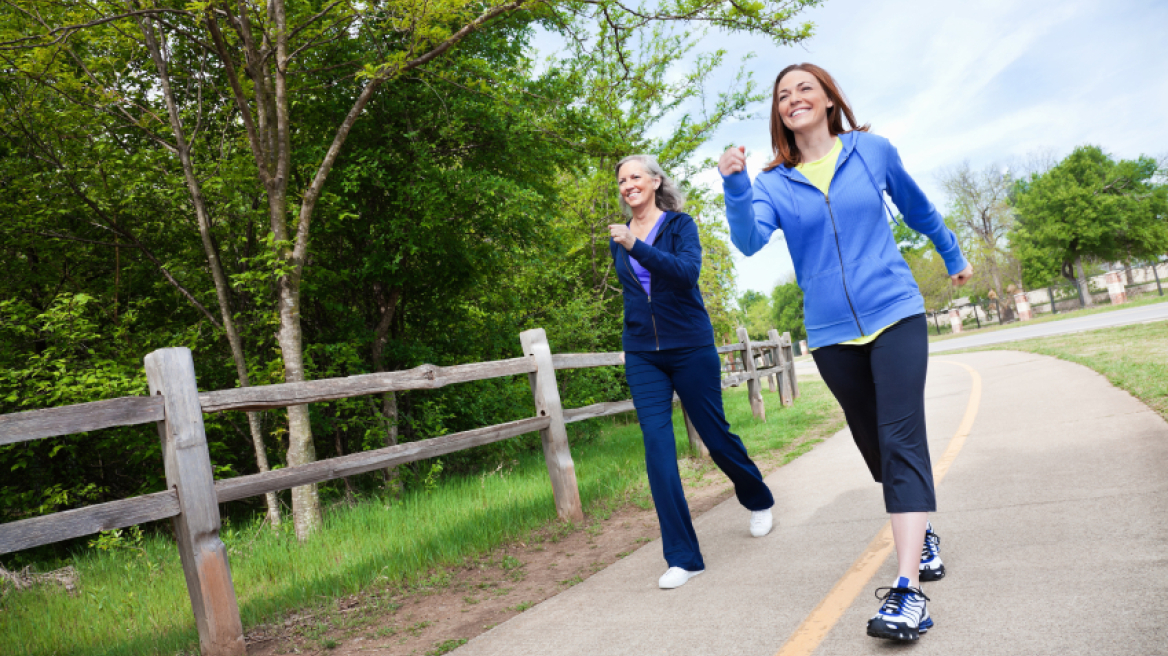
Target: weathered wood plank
[(770, 371), (768, 362), (427, 376), (730, 348), (597, 410), (734, 380), (770, 343), (69, 524), (170, 372), (79, 418), (789, 350), (754, 392), (696, 445), (233, 489), (546, 395), (784, 364), (587, 360)]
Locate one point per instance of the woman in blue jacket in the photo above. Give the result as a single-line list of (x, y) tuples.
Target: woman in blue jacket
[(863, 311), (669, 346)]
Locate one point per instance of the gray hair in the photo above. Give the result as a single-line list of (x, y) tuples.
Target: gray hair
[(669, 196)]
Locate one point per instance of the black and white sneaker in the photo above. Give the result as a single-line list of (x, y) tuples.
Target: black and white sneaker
[(903, 615), (932, 569)]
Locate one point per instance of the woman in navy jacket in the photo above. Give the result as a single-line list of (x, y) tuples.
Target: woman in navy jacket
[(669, 346), (863, 311)]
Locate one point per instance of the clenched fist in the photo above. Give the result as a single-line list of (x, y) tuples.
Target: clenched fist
[(962, 276), (732, 161), (621, 234)]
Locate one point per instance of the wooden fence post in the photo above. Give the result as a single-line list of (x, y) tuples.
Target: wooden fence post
[(786, 395), (561, 469), (769, 360), (752, 386), (170, 373), (695, 440), (789, 349)]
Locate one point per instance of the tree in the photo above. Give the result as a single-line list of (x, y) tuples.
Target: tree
[(288, 83), (980, 207), (787, 309), (755, 311), (1088, 205)]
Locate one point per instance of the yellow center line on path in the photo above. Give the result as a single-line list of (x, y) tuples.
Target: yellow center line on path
[(807, 638)]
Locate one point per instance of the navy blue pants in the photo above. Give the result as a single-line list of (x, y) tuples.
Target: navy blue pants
[(881, 387), (695, 374)]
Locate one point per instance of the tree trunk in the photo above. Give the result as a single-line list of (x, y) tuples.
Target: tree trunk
[(222, 293), (306, 514), (269, 135), (389, 413), (388, 308), (1084, 289), (998, 288)]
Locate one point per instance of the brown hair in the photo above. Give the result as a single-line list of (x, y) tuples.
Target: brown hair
[(783, 140)]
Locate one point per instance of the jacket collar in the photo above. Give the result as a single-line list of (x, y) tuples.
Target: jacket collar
[(848, 139), (669, 216)]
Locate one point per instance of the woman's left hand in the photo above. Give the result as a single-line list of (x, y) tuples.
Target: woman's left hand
[(621, 234), (962, 277)]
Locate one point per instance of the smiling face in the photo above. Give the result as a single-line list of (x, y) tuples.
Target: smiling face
[(803, 104), (637, 185)]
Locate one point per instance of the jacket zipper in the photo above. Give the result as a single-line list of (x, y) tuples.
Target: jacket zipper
[(649, 297), (835, 231), (653, 318), (843, 274)]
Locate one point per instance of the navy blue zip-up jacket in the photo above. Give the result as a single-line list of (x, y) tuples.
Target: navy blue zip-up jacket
[(674, 316), (853, 277)]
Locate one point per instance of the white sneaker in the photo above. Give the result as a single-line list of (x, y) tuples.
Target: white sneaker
[(675, 577), (761, 522)]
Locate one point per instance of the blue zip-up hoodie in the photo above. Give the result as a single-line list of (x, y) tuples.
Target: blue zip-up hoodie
[(674, 316), (853, 277)]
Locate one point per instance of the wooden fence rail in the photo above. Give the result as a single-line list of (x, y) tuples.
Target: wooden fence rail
[(193, 496)]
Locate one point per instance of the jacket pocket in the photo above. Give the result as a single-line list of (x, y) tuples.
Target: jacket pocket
[(680, 313), (876, 285), (637, 318), (824, 300)]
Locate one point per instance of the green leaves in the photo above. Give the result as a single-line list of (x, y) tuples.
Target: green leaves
[(1089, 205), (787, 304)]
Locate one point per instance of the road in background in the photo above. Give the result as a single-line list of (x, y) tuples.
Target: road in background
[(1157, 312)]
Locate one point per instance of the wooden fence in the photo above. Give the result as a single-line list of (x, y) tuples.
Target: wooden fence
[(193, 496)]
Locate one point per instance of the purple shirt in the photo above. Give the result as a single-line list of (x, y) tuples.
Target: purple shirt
[(642, 272)]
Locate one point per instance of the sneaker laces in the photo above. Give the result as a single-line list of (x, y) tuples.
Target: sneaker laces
[(931, 546), (895, 597)]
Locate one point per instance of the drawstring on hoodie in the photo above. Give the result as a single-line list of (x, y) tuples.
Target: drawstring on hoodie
[(879, 191), (794, 198)]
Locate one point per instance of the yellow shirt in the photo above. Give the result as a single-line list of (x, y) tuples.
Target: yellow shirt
[(819, 173)]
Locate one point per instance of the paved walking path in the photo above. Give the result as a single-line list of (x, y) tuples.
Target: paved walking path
[(1053, 520)]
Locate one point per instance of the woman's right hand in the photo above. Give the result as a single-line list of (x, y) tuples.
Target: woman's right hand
[(732, 161)]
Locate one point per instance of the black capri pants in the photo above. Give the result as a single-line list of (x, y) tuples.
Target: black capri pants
[(881, 387)]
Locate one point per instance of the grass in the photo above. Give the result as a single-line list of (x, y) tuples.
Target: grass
[(1146, 299), (133, 600), (1134, 358)]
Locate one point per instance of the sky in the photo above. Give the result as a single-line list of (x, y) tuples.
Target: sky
[(988, 82)]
